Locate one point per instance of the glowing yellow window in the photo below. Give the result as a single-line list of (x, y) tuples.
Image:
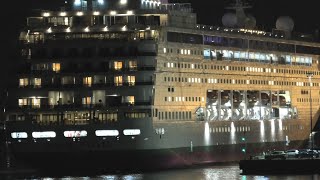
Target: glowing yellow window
[(35, 103), (118, 80), (87, 81), (23, 102), (56, 67), (117, 65), (37, 82), (23, 82), (128, 99), (133, 65), (86, 100), (131, 80)]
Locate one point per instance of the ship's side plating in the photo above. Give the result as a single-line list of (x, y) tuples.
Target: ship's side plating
[(141, 80)]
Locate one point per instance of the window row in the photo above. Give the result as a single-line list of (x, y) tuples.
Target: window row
[(114, 65), (183, 51), (179, 99), (181, 115), (201, 66), (236, 81), (261, 57), (37, 102), (73, 134), (308, 100), (86, 81)]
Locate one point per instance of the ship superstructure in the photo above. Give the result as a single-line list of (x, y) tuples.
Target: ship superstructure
[(142, 77)]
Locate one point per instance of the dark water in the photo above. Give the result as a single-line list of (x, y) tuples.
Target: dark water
[(221, 172)]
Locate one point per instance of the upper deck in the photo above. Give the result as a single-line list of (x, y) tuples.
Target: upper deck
[(142, 19)]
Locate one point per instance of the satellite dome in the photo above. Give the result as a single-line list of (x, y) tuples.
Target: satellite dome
[(250, 22), (285, 23), (229, 20)]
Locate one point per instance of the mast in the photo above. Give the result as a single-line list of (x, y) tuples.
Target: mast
[(239, 6)]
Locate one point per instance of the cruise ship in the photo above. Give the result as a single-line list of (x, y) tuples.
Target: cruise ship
[(113, 84)]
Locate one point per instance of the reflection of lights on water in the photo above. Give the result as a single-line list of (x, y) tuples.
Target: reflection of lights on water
[(123, 177), (210, 174), (243, 177), (206, 133), (109, 177), (132, 176), (217, 174)]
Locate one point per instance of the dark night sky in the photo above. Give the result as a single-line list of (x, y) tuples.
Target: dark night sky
[(304, 13)]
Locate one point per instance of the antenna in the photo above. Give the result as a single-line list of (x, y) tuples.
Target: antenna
[(239, 6)]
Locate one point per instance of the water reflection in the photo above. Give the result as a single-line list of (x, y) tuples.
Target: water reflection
[(228, 172)]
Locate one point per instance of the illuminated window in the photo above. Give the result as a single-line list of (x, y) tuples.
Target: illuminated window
[(36, 82), (44, 134), (107, 132), (117, 65), (21, 135), (77, 2), (23, 82), (131, 132), (66, 21), (100, 2), (56, 67), (131, 80), (118, 81), (108, 116), (128, 99), (133, 65), (23, 102), (87, 81), (75, 133), (86, 100), (35, 103)]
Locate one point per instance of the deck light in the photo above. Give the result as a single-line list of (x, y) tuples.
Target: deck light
[(79, 13), (63, 14), (46, 14), (123, 2), (49, 30), (100, 2)]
